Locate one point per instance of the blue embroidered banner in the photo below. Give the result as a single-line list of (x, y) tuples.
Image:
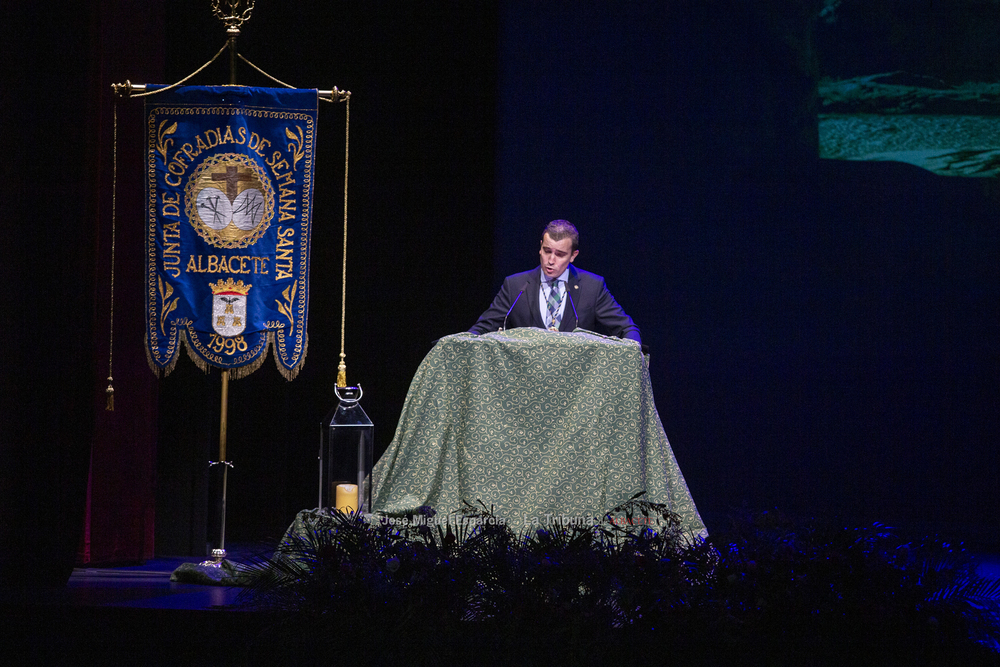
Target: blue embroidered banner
[(229, 213)]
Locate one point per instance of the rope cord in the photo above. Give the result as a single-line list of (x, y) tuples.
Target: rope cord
[(342, 367), (240, 55), (197, 71), (110, 391), (338, 95)]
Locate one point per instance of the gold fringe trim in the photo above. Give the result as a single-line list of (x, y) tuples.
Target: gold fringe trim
[(157, 370), (241, 372), (293, 372), (235, 373), (192, 355)]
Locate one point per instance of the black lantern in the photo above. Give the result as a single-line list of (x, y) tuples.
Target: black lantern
[(346, 442)]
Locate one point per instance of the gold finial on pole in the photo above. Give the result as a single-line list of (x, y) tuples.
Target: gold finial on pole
[(122, 89), (239, 13)]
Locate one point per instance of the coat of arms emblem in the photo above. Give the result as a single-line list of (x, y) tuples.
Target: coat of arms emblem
[(229, 307)]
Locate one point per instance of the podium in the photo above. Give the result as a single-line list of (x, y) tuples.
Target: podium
[(541, 426)]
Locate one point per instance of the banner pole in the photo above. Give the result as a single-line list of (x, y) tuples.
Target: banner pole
[(223, 424), (218, 551), (219, 554), (233, 33)]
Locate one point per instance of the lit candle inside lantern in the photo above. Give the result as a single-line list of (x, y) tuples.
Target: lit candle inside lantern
[(347, 497)]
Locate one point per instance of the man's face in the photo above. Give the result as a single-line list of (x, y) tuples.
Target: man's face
[(556, 255)]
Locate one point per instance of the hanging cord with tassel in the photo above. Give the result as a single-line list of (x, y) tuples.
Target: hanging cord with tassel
[(335, 96), (110, 391), (342, 368), (119, 90)]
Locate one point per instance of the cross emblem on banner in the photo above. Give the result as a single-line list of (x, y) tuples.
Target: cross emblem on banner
[(232, 177)]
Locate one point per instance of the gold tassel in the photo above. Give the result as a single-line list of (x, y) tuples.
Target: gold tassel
[(110, 391)]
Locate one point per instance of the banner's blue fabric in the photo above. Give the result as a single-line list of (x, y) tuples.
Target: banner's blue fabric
[(229, 188)]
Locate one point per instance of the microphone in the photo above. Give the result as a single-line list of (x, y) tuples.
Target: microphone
[(576, 318), (504, 327)]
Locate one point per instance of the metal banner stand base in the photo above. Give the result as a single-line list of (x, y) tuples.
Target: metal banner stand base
[(216, 570), (219, 551)]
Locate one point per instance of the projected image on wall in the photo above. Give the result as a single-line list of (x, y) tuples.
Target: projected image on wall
[(911, 81)]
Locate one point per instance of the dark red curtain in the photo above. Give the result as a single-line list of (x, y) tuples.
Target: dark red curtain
[(56, 133), (127, 44)]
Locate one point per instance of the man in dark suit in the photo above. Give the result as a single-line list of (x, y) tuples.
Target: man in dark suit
[(557, 295)]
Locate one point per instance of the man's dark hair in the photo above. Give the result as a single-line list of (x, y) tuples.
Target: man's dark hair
[(560, 229)]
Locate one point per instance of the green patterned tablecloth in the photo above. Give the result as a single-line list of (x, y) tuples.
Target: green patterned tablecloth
[(535, 424)]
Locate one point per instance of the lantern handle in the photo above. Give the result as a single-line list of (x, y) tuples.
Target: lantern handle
[(349, 400)]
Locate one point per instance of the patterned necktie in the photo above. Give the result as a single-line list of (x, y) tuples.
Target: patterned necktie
[(555, 297)]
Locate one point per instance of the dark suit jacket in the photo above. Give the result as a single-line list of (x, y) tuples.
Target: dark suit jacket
[(590, 306)]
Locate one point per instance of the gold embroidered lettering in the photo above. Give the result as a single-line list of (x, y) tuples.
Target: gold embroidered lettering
[(283, 256), (276, 163), (218, 263), (213, 137), (171, 204), (286, 198)]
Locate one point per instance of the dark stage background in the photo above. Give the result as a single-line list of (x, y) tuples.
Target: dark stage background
[(824, 335)]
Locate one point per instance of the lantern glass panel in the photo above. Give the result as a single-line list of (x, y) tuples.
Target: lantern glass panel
[(346, 446)]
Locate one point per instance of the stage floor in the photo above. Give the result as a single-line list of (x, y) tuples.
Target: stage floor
[(148, 586), (136, 615)]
